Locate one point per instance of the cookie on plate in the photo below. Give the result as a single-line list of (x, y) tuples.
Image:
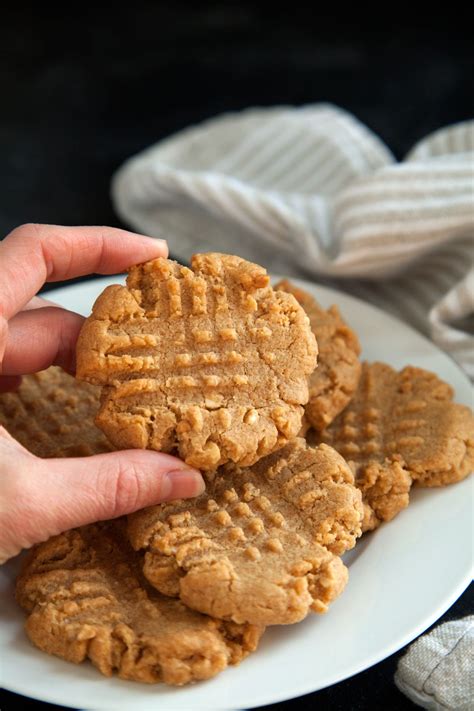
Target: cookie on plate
[(399, 428), (210, 361), (86, 599), (261, 545), (52, 415), (334, 381)]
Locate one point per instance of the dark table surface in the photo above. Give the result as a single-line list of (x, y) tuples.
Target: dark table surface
[(83, 90)]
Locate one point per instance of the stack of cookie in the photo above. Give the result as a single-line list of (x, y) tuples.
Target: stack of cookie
[(213, 364), (395, 429)]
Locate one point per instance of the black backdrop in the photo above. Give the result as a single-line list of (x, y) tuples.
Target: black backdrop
[(80, 93), (81, 90)]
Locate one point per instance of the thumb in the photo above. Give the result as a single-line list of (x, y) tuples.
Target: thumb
[(54, 495)]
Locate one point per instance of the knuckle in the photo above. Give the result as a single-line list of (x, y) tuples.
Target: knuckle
[(28, 230), (123, 487)]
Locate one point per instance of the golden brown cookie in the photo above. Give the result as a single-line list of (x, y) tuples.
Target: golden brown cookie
[(52, 415), (335, 380), (209, 360), (86, 599), (261, 545), (401, 427)]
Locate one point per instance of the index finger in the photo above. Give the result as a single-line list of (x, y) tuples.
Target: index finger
[(34, 254)]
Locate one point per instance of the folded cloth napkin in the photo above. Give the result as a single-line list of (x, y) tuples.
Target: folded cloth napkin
[(312, 192), (437, 672)]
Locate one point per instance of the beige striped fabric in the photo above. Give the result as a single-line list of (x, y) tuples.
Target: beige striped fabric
[(312, 192)]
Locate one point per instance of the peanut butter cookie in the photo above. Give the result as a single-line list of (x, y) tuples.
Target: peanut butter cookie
[(335, 380), (210, 360), (52, 415), (401, 427), (261, 545), (86, 599)]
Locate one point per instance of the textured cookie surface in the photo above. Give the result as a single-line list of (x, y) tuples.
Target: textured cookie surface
[(52, 415), (262, 543), (334, 381), (401, 427), (86, 599), (208, 360)]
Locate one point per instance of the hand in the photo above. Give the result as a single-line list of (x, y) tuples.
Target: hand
[(40, 498)]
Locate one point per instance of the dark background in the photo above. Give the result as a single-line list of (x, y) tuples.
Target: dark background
[(82, 90)]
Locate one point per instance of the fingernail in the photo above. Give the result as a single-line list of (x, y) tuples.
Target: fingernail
[(182, 484), (153, 239)]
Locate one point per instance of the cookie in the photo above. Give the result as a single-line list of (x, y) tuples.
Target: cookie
[(210, 361), (334, 381), (399, 428), (261, 545), (52, 415), (86, 599)]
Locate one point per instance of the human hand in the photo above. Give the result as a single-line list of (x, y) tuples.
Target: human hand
[(40, 498)]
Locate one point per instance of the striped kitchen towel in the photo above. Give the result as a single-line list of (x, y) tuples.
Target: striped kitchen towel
[(312, 192)]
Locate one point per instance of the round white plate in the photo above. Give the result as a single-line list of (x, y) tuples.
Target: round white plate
[(402, 577)]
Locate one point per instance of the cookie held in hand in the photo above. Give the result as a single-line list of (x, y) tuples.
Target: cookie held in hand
[(261, 545), (86, 599), (401, 427), (210, 361), (333, 383)]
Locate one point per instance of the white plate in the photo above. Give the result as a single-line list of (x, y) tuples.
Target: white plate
[(402, 577)]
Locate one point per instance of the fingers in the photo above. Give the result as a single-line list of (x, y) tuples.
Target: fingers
[(54, 495), (34, 254), (40, 337), (73, 492)]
